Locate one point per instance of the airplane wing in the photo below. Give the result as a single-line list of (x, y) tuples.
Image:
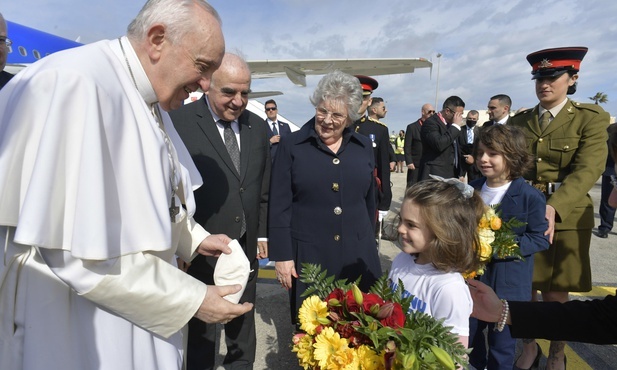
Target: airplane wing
[(296, 70), (263, 94)]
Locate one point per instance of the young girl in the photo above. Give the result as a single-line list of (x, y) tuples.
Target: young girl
[(502, 158), (438, 233)]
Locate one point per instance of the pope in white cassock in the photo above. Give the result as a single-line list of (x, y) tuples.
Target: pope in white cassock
[(93, 177)]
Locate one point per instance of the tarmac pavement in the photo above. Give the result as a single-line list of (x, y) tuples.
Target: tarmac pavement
[(274, 329)]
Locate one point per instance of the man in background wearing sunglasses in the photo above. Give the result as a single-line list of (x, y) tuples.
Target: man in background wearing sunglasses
[(276, 128), (413, 144)]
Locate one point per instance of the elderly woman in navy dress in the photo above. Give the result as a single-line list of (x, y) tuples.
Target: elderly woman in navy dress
[(322, 203)]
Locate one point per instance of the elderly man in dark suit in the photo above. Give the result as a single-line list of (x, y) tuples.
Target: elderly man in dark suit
[(276, 128), (413, 144), (229, 146), (439, 137)]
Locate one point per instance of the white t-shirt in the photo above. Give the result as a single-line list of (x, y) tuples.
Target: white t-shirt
[(437, 293), (492, 196)]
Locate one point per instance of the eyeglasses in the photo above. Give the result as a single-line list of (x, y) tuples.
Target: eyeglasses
[(322, 114), (6, 41), (431, 112), (270, 108)]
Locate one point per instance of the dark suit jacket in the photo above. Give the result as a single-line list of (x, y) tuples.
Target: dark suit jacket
[(381, 149), (413, 150), (225, 194), (464, 149), (4, 78), (490, 123), (283, 130), (438, 148), (413, 143), (577, 321), (511, 278)]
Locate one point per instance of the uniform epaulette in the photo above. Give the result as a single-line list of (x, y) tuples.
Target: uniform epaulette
[(377, 121), (522, 112), (363, 119), (594, 107)]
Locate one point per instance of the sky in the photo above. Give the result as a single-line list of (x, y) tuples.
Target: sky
[(483, 44)]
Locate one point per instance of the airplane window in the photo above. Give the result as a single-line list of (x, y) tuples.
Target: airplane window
[(36, 54), (22, 51)]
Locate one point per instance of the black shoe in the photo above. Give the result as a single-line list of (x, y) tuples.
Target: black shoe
[(536, 361), (602, 234)]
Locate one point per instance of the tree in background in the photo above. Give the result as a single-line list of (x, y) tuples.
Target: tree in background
[(599, 98)]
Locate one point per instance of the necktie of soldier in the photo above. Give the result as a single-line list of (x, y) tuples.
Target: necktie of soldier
[(545, 120), (231, 143), (274, 130)]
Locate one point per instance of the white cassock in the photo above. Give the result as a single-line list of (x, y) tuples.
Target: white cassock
[(89, 279)]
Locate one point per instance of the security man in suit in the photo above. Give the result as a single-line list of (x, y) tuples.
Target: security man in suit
[(276, 128), (498, 109), (378, 133), (230, 148), (440, 132), (469, 135), (413, 144), (568, 140)]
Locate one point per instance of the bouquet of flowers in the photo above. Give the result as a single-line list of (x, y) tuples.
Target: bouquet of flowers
[(496, 239), (345, 328)]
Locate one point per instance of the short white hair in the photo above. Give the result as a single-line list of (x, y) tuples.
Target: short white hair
[(340, 86), (176, 15)]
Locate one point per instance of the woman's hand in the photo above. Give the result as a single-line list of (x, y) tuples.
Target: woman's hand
[(486, 305), (285, 270)]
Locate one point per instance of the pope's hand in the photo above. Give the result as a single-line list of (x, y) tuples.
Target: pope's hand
[(216, 309), (214, 245)]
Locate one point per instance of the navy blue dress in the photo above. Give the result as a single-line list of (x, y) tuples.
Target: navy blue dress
[(322, 208)]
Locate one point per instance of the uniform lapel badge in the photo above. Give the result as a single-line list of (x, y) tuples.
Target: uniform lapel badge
[(545, 63)]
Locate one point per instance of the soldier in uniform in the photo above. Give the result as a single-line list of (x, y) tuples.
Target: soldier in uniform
[(378, 133), (566, 138)]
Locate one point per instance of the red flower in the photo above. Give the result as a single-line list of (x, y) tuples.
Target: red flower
[(394, 316), (335, 302), (350, 302), (338, 294), (369, 301)]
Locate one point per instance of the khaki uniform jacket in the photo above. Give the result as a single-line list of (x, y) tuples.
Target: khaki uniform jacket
[(569, 151)]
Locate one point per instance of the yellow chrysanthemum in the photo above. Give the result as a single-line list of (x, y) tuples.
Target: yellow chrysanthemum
[(487, 236), (304, 352), (369, 360), (311, 311), (332, 352)]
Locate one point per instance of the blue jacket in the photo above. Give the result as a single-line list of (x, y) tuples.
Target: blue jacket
[(322, 207), (511, 278)]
